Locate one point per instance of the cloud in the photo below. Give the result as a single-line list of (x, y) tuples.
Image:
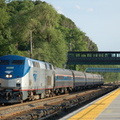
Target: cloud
[(84, 9), (59, 10), (90, 9), (78, 7)]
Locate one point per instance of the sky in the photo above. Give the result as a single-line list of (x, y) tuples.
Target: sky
[(99, 19)]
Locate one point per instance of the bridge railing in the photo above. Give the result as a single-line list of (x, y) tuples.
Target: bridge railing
[(94, 58)]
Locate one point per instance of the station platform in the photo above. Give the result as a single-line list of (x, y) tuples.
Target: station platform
[(104, 108)]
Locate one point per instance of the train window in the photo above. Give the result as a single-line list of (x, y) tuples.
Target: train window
[(47, 66), (69, 78), (4, 62), (50, 66), (60, 77), (77, 55), (36, 64), (17, 62)]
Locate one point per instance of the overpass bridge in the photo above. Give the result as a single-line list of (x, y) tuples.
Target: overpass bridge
[(94, 58)]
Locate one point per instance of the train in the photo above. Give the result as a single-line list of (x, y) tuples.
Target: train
[(23, 78)]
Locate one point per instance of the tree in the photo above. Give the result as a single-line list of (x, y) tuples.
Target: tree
[(5, 31), (52, 33)]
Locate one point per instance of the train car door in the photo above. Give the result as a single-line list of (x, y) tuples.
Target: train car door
[(49, 76)]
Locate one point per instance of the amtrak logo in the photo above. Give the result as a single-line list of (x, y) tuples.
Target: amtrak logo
[(35, 76)]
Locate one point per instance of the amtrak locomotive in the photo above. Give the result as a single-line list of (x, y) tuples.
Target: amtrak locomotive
[(23, 78)]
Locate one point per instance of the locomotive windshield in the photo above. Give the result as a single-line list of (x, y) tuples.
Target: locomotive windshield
[(17, 62), (4, 62), (13, 62)]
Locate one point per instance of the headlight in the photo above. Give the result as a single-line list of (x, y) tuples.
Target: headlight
[(8, 76)]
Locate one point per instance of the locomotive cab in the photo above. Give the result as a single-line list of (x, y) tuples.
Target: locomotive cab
[(12, 70)]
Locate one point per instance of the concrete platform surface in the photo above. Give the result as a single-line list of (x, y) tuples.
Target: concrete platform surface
[(105, 108)]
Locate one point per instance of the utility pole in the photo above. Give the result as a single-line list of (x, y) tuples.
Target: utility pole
[(31, 44)]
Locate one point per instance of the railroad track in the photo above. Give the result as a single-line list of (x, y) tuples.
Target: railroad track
[(7, 111), (47, 107)]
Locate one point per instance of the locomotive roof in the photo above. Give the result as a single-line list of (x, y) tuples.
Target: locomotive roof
[(16, 57), (12, 56)]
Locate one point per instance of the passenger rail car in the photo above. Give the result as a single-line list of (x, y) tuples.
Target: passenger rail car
[(23, 78), (63, 80), (79, 80)]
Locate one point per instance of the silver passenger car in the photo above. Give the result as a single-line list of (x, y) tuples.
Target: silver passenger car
[(79, 80), (63, 80)]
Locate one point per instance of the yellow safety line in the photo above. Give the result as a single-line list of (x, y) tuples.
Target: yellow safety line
[(92, 112)]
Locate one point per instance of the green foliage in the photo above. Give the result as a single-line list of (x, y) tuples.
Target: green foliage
[(5, 31), (111, 77), (53, 35)]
